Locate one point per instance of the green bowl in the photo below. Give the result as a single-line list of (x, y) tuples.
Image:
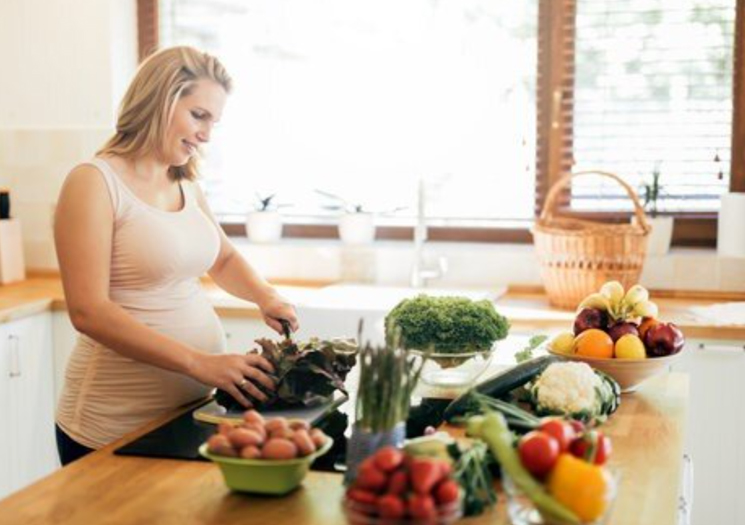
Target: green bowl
[(264, 476)]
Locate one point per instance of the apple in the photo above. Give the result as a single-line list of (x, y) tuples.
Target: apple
[(618, 330), (663, 339), (590, 318)]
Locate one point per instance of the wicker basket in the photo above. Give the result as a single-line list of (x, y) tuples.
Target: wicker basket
[(577, 256)]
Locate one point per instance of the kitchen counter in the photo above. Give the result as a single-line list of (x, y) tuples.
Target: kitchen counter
[(526, 310), (102, 488)]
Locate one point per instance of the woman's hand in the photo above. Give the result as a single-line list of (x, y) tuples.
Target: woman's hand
[(235, 374), (275, 307)]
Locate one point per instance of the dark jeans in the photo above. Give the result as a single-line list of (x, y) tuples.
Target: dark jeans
[(68, 449)]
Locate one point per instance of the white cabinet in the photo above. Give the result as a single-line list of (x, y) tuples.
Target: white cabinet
[(715, 437), (27, 444)]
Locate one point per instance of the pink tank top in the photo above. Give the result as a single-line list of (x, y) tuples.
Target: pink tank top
[(156, 260)]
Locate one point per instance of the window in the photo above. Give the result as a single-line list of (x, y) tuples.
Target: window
[(362, 99), (491, 101), (652, 91)]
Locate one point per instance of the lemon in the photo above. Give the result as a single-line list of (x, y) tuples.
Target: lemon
[(630, 346), (563, 343)]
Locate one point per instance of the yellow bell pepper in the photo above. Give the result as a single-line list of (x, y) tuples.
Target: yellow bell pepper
[(582, 487)]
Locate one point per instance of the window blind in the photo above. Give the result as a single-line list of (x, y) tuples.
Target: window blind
[(650, 89)]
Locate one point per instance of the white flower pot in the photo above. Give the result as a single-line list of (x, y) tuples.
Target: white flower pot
[(357, 228), (264, 226), (661, 235)]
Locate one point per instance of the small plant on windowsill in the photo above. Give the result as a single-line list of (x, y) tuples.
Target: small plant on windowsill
[(356, 224), (264, 223), (662, 227)]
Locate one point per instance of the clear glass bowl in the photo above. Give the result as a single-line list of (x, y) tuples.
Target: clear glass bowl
[(361, 514), (447, 370), (522, 510)]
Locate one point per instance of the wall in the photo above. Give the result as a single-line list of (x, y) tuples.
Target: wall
[(65, 67), (66, 64)]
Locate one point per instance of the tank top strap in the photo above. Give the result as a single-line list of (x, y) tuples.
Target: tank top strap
[(112, 183)]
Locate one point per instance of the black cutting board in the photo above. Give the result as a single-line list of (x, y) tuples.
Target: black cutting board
[(179, 438)]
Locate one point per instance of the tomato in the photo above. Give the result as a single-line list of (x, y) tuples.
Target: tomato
[(447, 492), (560, 430), (388, 459), (538, 452), (583, 446), (391, 506)]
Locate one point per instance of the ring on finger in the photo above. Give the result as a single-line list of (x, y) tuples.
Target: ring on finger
[(243, 383)]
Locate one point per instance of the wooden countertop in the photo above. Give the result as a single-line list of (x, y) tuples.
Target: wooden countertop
[(647, 433), (527, 311)]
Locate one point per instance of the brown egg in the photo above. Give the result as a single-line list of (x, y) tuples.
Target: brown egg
[(303, 442), (242, 437), (278, 448), (251, 452)]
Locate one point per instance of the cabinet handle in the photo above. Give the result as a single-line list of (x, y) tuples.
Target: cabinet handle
[(725, 348), (15, 356)]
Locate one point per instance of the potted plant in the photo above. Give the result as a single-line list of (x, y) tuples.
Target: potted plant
[(264, 223), (456, 334), (356, 225), (388, 376), (662, 227)]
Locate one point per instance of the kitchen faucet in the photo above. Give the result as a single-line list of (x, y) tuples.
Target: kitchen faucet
[(421, 274)]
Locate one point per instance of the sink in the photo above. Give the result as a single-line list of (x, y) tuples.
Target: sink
[(336, 310)]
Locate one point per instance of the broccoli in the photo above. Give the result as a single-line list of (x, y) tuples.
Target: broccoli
[(445, 324)]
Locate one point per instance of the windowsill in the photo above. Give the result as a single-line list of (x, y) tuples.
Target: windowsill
[(470, 265)]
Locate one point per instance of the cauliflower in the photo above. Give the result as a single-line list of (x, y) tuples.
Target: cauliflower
[(573, 389)]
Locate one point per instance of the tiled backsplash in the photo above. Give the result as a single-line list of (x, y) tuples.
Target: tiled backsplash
[(33, 164)]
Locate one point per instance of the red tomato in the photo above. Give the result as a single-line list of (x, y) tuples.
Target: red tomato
[(388, 459), (561, 431), (391, 506), (538, 452), (422, 507), (447, 492), (583, 446)]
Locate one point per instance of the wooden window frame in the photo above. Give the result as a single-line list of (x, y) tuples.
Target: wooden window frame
[(555, 61)]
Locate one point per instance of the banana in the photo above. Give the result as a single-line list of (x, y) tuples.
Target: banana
[(635, 295), (645, 309), (595, 300), (613, 290)]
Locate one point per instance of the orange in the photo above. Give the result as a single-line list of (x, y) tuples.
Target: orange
[(594, 343), (647, 323)]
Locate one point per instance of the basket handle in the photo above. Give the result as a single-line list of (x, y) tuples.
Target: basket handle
[(550, 205)]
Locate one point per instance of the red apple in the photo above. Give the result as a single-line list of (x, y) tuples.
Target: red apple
[(590, 318), (663, 339), (618, 330)]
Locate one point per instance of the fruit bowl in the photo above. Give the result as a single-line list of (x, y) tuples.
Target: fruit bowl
[(264, 476), (629, 373)]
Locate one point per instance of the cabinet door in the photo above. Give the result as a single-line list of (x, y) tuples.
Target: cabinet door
[(6, 482), (30, 417), (716, 429)]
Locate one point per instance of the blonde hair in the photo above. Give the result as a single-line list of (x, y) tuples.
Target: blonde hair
[(147, 107)]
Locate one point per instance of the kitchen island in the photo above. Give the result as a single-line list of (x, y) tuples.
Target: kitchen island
[(103, 488)]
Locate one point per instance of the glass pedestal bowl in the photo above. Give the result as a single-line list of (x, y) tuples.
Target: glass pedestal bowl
[(453, 370)]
